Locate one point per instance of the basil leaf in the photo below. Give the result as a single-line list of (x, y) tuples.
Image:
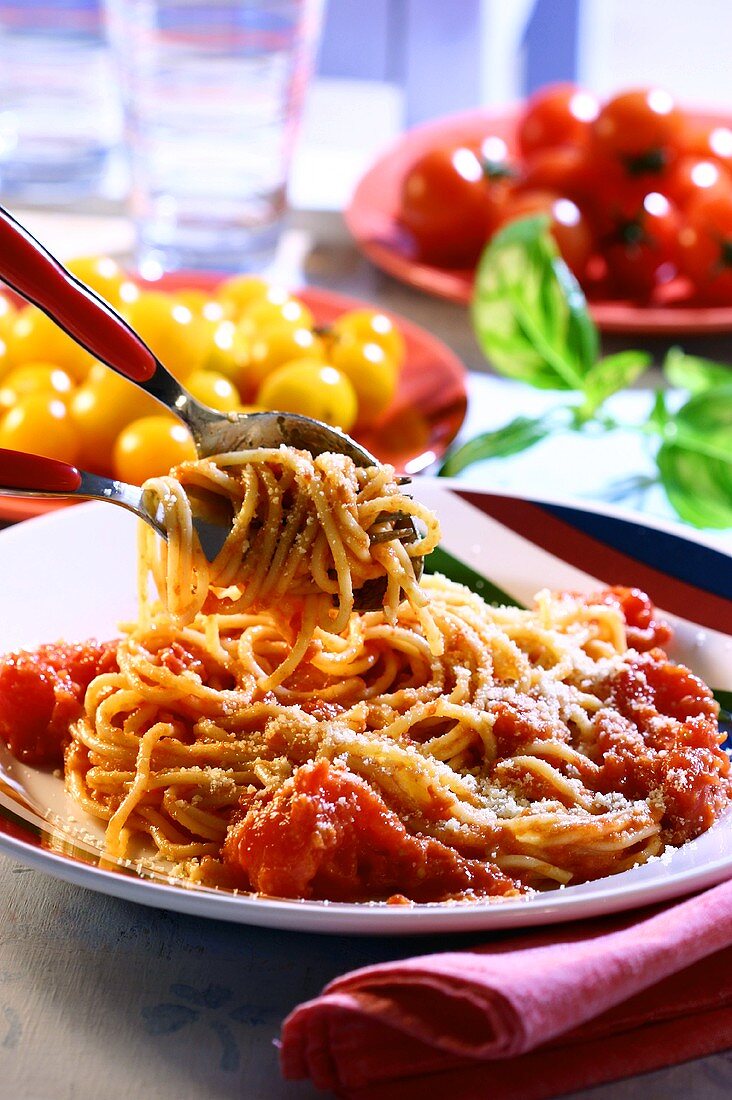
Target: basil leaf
[(611, 374), (695, 459), (690, 372), (724, 698), (529, 313), (659, 416), (518, 435)]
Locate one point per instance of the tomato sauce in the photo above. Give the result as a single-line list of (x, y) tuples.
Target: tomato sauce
[(178, 659), (659, 733), (327, 834), (42, 693), (644, 629)]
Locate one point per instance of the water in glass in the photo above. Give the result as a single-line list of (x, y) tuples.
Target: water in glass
[(59, 107), (213, 94)]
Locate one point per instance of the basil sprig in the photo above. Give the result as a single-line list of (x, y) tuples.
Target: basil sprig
[(532, 322)]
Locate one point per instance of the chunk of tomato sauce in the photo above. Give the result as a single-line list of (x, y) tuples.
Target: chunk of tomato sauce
[(327, 834), (644, 628), (42, 693), (659, 733), (180, 659)]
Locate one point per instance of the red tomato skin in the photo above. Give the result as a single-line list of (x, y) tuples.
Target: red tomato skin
[(705, 247), (560, 114), (708, 140), (637, 126), (570, 228), (692, 176), (446, 207), (642, 252), (567, 170)]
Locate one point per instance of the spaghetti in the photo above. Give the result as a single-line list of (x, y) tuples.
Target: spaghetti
[(305, 532), (263, 735)]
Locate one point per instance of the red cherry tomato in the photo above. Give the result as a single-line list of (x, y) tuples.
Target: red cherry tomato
[(690, 176), (641, 129), (568, 170), (707, 140), (643, 252), (446, 207), (496, 157), (618, 196), (560, 114), (705, 246), (568, 224)]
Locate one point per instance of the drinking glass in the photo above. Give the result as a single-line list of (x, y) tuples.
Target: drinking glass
[(213, 95), (59, 108)]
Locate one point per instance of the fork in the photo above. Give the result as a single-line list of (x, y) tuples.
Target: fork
[(34, 475), (37, 276)]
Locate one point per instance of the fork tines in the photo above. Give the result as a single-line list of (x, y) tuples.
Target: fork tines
[(403, 534)]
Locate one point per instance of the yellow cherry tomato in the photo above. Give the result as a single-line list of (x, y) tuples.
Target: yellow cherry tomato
[(5, 360), (214, 390), (276, 307), (35, 338), (129, 292), (7, 315), (102, 274), (214, 311), (40, 423), (101, 408), (35, 378), (201, 304), (228, 353), (277, 344), (311, 389), (238, 293), (194, 299), (170, 329), (371, 327), (371, 372), (151, 447)]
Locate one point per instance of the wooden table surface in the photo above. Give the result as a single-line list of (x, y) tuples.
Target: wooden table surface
[(101, 998)]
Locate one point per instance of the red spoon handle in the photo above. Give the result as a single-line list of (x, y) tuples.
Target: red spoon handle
[(23, 471), (36, 275)]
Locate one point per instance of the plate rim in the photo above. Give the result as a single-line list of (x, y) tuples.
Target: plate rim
[(379, 918)]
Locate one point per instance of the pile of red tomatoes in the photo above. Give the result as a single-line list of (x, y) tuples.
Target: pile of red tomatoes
[(638, 191)]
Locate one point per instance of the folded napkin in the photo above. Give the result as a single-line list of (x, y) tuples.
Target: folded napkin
[(532, 1017)]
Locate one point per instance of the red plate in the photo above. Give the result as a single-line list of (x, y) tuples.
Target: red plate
[(417, 428), (372, 219)]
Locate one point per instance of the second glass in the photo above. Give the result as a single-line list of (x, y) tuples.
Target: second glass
[(213, 96)]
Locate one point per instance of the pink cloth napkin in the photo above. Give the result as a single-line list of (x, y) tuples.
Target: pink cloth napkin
[(600, 1000)]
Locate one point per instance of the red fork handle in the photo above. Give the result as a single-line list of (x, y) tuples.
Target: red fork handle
[(33, 472), (37, 276)]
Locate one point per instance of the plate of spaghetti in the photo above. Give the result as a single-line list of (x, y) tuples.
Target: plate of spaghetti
[(520, 737)]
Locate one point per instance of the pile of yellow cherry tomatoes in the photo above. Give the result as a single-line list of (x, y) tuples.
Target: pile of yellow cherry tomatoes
[(246, 345)]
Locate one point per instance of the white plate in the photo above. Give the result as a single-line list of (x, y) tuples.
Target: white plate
[(71, 575)]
